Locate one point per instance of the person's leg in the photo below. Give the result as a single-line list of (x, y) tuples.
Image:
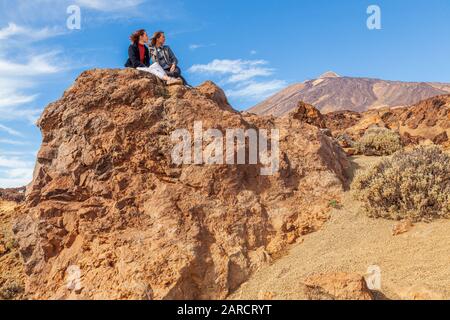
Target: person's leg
[(161, 76), (160, 73), (177, 74)]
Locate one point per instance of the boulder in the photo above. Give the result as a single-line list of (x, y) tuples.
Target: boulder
[(402, 227), (337, 286), (308, 114), (110, 214)]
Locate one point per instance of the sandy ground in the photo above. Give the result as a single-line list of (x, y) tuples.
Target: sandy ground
[(414, 262), (11, 271)]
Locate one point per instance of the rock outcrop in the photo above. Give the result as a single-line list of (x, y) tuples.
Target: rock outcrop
[(110, 216), (12, 194), (339, 121), (428, 120), (308, 114)]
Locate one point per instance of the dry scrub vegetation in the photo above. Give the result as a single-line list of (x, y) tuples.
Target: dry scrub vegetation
[(379, 142), (413, 185)]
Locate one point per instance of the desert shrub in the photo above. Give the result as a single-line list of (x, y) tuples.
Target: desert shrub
[(379, 142), (414, 185), (10, 290)]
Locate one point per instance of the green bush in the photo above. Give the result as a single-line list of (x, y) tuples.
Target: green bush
[(414, 185), (379, 142)]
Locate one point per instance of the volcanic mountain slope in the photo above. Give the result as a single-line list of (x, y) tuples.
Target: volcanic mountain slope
[(110, 216), (331, 92)]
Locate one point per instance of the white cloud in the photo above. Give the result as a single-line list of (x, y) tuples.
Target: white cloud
[(17, 78), (13, 142), (109, 5), (194, 47), (227, 66), (36, 65), (12, 98), (15, 171), (242, 75), (38, 13), (28, 34), (10, 131), (238, 70), (257, 90), (253, 52), (14, 162), (16, 182), (250, 74)]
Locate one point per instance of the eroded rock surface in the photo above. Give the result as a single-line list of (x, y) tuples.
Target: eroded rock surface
[(109, 216)]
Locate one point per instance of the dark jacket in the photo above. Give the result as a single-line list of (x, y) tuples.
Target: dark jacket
[(134, 60), (167, 53)]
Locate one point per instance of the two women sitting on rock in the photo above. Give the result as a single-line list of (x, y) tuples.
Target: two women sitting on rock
[(164, 64)]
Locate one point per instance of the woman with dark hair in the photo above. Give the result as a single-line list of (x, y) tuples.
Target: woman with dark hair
[(139, 58), (162, 54)]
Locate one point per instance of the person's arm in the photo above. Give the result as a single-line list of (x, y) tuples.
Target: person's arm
[(135, 59), (172, 58), (151, 52), (148, 57)]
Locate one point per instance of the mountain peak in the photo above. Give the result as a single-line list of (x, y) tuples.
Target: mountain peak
[(329, 74)]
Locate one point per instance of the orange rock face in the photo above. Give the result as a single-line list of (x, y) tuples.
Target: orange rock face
[(308, 114), (337, 286), (426, 120), (109, 216)]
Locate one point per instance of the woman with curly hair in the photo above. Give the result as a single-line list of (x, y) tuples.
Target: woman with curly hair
[(139, 58)]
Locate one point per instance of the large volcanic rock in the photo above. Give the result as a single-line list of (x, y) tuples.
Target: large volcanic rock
[(108, 214)]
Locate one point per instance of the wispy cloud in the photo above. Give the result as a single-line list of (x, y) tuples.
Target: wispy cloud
[(42, 64), (237, 70), (16, 80), (25, 34), (194, 47), (15, 171), (10, 97), (10, 131), (13, 142), (55, 10), (109, 5), (30, 59), (257, 90), (243, 75)]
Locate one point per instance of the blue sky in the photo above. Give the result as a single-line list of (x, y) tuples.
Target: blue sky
[(250, 48)]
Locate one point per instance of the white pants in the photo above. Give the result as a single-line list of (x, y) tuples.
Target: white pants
[(155, 69)]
